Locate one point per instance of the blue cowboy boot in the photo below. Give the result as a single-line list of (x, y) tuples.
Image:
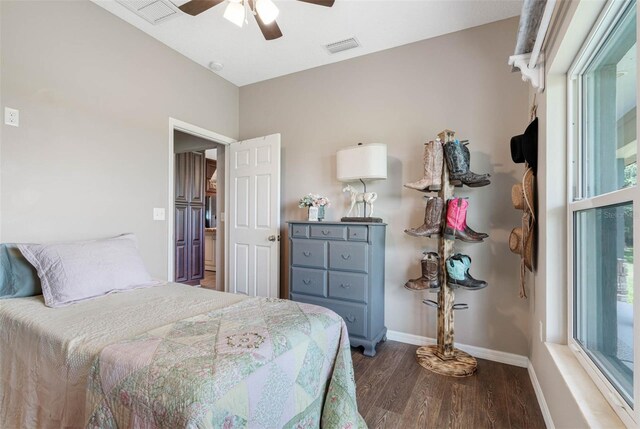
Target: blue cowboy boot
[(458, 273)]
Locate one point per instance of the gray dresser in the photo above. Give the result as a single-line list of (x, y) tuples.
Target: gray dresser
[(341, 266)]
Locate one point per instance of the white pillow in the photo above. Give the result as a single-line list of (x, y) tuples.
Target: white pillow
[(72, 272)]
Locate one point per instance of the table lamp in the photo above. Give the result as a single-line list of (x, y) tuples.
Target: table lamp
[(359, 163)]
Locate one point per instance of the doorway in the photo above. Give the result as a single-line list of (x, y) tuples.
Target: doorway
[(247, 245), (197, 200), (211, 216)]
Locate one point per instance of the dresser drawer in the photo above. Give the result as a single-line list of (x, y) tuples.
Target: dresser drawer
[(309, 253), (348, 256), (357, 233), (299, 231), (350, 286), (354, 314), (328, 232), (309, 281)]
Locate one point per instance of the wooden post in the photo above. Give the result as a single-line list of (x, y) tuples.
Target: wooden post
[(446, 297), (444, 358)]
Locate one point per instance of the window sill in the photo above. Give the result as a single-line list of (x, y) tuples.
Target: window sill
[(593, 405)]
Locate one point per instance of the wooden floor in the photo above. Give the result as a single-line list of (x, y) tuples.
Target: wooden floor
[(395, 392), (209, 280)]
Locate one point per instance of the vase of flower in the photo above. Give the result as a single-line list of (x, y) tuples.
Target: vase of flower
[(316, 205)]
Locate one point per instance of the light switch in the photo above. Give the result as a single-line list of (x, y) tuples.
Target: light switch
[(158, 214), (11, 117)]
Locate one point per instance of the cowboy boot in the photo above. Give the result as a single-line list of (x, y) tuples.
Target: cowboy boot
[(458, 276), (458, 159), (433, 161), (467, 157), (457, 221), (466, 260), (476, 235), (430, 274), (432, 219)]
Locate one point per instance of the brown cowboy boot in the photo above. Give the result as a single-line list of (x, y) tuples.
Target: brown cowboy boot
[(430, 279), (432, 219)]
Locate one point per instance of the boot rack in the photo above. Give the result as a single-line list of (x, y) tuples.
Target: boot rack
[(443, 358)]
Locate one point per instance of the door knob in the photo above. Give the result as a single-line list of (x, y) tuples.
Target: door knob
[(272, 238)]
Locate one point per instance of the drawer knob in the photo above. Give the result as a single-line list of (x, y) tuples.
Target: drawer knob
[(346, 256), (307, 254), (346, 286), (306, 281), (325, 232), (350, 318)]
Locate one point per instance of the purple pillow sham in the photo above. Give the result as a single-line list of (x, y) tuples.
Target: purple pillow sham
[(74, 272)]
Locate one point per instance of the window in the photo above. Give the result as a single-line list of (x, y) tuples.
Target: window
[(603, 207)]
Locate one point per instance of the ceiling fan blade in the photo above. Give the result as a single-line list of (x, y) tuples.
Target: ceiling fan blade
[(196, 7), (327, 3), (269, 31)]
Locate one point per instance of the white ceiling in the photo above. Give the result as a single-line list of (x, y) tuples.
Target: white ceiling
[(376, 24)]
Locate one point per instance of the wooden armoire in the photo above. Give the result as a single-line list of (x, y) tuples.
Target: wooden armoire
[(189, 195)]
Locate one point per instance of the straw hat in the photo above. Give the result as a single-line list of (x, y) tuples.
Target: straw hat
[(520, 190), (517, 196), (521, 241)]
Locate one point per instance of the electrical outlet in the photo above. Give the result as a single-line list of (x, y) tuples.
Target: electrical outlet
[(11, 117), (158, 214), (541, 332)]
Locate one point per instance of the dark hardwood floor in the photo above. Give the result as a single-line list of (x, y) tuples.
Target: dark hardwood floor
[(395, 392)]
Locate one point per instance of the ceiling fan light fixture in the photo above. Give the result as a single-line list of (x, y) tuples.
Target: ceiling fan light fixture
[(235, 13), (267, 10)]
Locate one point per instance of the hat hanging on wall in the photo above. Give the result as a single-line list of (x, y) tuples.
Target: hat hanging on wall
[(522, 238), (524, 147), (521, 241), (522, 195)]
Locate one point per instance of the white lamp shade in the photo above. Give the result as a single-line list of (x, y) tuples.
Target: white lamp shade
[(235, 12), (367, 161)]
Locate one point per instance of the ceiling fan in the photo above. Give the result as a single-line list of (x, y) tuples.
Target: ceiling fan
[(237, 11)]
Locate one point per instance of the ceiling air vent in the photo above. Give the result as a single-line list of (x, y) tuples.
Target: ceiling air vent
[(342, 45), (153, 11)]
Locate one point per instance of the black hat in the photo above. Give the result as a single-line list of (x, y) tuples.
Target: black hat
[(525, 146)]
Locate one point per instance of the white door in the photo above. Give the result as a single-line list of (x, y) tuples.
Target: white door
[(254, 216)]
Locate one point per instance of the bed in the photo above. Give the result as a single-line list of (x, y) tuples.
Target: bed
[(174, 356)]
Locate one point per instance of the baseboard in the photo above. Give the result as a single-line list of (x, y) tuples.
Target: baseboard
[(546, 414), (479, 352)]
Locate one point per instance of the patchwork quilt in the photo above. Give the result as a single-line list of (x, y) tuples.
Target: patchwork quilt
[(260, 363)]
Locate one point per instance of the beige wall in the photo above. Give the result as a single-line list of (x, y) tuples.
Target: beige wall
[(95, 95), (403, 97)]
